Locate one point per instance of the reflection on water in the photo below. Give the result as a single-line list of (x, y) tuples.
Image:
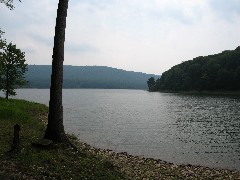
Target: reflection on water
[(179, 128), (209, 127)]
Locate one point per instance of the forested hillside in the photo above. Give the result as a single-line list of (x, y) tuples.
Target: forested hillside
[(210, 73), (88, 77)]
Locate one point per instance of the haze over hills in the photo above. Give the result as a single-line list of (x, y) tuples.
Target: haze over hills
[(102, 77)]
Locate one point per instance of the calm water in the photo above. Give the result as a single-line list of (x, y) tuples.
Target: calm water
[(195, 129)]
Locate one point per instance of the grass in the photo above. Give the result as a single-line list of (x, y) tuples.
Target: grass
[(80, 161), (59, 162), (29, 115)]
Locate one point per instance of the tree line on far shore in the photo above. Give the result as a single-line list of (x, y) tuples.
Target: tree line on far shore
[(219, 72), (101, 77)]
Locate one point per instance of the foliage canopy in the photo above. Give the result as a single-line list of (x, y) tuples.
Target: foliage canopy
[(151, 83), (219, 72), (12, 69), (2, 41), (8, 3)]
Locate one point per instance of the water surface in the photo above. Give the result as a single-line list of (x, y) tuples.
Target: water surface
[(179, 128)]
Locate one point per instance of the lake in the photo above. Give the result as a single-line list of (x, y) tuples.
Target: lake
[(179, 128)]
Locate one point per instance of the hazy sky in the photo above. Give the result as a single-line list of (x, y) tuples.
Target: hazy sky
[(147, 36)]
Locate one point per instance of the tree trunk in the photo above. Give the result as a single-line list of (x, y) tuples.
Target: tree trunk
[(7, 84), (55, 129), (7, 94)]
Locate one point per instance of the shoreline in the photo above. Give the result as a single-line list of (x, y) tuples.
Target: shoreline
[(139, 166), (237, 93), (155, 159)]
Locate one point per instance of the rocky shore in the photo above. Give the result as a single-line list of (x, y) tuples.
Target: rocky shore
[(147, 168)]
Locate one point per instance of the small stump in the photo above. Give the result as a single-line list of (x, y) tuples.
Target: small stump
[(16, 139)]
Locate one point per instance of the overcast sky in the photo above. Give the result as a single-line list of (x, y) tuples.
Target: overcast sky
[(147, 36)]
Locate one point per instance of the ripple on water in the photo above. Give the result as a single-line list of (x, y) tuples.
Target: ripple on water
[(180, 128)]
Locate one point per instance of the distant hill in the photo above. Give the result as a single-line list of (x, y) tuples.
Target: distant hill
[(101, 77), (218, 72)]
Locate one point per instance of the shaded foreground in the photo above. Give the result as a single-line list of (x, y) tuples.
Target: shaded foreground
[(77, 160)]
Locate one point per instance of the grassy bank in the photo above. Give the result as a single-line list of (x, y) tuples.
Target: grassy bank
[(64, 162), (59, 162)]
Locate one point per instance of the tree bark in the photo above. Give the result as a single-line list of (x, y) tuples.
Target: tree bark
[(7, 84), (55, 129)]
